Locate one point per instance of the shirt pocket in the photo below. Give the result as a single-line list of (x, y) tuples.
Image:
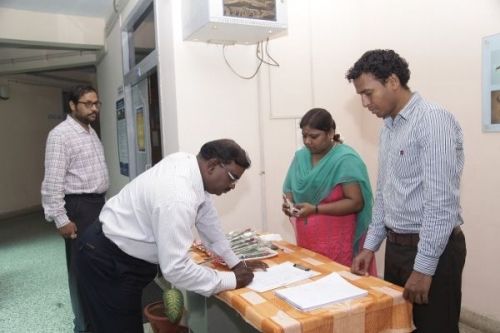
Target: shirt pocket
[(406, 161), (83, 160)]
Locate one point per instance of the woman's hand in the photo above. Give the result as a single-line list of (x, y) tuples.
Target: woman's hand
[(305, 209), (288, 207), (285, 207)]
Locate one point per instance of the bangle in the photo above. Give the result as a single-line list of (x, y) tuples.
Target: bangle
[(316, 209)]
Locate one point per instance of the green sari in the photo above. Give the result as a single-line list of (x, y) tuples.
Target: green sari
[(341, 165)]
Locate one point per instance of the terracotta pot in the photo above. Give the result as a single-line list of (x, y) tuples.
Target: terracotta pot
[(155, 312)]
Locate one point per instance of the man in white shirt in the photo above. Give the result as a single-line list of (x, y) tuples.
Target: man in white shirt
[(75, 181), (150, 222)]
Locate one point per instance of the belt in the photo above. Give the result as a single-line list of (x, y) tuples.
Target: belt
[(412, 239), (402, 239), (86, 195)]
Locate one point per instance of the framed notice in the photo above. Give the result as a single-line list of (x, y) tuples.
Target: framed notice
[(121, 131), (139, 122), (491, 83)]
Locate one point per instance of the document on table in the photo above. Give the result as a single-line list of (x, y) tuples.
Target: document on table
[(322, 292), (278, 276)]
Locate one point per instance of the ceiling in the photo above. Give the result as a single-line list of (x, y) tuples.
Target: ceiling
[(92, 8), (89, 8)]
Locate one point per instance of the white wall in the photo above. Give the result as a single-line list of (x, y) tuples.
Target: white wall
[(23, 131), (202, 100), (212, 103), (109, 80)]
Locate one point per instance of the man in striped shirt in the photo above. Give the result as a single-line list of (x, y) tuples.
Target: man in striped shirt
[(417, 203), (75, 181)]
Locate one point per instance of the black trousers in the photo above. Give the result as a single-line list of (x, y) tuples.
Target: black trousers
[(83, 210), (111, 283), (442, 313)]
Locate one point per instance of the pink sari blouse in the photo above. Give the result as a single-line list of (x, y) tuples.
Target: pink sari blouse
[(329, 235)]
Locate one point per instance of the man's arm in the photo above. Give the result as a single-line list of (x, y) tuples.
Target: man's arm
[(442, 162), (172, 224), (212, 235), (376, 230), (56, 164)]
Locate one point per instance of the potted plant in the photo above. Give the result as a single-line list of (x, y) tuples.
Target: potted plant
[(164, 316)]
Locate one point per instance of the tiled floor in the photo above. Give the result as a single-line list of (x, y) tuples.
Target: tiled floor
[(467, 329), (33, 281)]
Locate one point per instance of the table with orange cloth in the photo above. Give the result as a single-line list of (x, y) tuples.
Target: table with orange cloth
[(382, 310)]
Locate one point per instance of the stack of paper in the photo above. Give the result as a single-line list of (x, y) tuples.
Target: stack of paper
[(279, 276), (325, 291)]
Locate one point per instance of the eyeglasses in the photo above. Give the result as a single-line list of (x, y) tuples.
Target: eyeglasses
[(233, 178), (89, 105)]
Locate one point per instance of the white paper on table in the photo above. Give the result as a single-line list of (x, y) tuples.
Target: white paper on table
[(270, 237), (278, 276), (325, 291)]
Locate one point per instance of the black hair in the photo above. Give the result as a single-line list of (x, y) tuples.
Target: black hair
[(381, 64), (77, 92), (319, 119), (225, 150)]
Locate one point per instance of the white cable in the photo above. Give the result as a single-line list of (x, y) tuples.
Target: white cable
[(274, 62), (234, 71)]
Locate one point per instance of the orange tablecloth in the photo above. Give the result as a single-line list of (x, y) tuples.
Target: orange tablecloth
[(383, 310)]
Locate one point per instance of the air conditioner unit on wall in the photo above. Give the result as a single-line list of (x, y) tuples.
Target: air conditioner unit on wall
[(233, 21)]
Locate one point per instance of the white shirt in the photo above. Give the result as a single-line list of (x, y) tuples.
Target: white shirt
[(152, 219), (74, 164)]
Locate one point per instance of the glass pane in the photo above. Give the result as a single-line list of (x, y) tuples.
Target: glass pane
[(142, 37)]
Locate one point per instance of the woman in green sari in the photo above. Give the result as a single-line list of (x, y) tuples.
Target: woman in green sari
[(328, 193)]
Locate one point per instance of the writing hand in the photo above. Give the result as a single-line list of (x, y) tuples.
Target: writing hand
[(244, 275), (257, 265)]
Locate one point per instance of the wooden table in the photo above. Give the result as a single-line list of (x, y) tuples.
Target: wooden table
[(383, 310)]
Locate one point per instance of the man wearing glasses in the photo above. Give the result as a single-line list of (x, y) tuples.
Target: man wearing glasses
[(75, 181), (149, 223)]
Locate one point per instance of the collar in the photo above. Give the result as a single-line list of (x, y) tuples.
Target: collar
[(198, 179), (407, 111), (77, 126)]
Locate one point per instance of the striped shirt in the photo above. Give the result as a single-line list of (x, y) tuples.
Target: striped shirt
[(74, 164), (421, 159), (153, 216)]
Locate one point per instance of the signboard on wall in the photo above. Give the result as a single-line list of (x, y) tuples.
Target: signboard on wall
[(121, 129), (491, 83)]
